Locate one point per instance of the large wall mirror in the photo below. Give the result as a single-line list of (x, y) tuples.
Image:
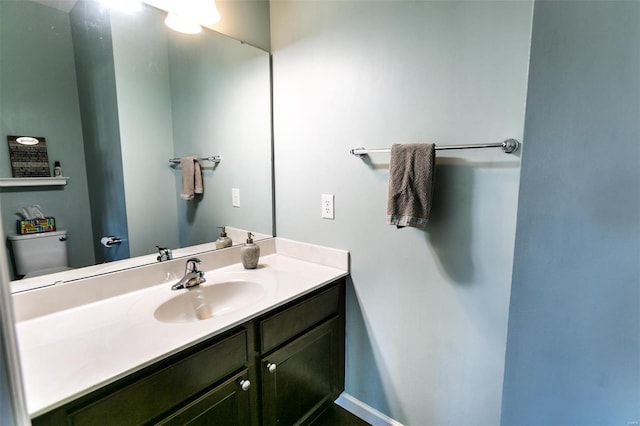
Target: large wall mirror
[(117, 95)]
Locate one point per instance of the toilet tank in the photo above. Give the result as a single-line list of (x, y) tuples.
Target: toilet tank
[(37, 252)]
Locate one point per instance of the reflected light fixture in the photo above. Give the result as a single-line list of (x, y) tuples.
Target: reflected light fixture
[(181, 24), (187, 15)]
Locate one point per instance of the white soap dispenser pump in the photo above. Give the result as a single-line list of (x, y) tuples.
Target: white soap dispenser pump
[(250, 253)]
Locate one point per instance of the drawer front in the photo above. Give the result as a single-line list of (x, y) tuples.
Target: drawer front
[(163, 390), (287, 324), (226, 404)]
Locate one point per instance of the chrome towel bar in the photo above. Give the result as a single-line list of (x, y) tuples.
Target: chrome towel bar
[(508, 146), (213, 158)]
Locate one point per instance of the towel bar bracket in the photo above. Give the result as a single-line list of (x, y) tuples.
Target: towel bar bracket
[(510, 145), (357, 153)]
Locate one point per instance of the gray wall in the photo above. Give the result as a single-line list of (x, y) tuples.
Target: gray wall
[(40, 98), (221, 106), (99, 105), (427, 311), (140, 49), (573, 350)]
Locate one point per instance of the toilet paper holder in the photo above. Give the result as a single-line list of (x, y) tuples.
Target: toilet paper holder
[(110, 241)]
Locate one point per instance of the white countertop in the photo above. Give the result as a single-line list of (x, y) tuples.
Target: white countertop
[(71, 352)]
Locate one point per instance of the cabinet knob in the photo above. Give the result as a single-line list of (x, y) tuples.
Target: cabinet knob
[(245, 385), (271, 367)]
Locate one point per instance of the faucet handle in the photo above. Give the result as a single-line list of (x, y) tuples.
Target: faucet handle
[(192, 264)]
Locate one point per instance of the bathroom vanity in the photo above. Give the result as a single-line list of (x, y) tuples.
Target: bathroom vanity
[(279, 360)]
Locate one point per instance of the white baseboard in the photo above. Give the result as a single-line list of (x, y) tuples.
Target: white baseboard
[(364, 411)]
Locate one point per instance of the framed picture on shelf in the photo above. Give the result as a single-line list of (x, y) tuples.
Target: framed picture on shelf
[(28, 156)]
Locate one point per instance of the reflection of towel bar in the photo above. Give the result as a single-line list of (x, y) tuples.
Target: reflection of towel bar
[(213, 158), (508, 146)]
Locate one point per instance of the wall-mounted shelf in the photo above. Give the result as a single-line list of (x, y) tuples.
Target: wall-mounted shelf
[(33, 181)]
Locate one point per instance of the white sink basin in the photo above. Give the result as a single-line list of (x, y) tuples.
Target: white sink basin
[(204, 302)]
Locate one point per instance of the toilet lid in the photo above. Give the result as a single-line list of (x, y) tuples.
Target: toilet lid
[(59, 232)]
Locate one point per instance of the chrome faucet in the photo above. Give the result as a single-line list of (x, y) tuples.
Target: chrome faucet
[(164, 254), (192, 277)]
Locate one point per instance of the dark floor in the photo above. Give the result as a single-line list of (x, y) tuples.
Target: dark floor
[(338, 416)]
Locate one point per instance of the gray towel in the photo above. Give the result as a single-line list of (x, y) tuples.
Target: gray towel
[(191, 178), (411, 176)]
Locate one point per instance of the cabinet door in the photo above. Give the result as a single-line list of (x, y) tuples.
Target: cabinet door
[(226, 404), (302, 377)]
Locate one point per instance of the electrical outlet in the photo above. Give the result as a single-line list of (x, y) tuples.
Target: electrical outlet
[(235, 197), (327, 206)]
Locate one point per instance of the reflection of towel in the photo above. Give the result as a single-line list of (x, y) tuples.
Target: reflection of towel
[(191, 178), (411, 176)]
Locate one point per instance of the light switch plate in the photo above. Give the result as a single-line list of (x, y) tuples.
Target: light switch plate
[(235, 197)]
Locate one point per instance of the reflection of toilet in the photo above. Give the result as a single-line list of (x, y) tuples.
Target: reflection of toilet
[(38, 254)]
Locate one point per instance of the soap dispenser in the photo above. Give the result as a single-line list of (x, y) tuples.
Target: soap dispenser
[(223, 241), (250, 253)]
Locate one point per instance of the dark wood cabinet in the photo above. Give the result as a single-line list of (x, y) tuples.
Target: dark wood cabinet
[(303, 377), (283, 367)]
